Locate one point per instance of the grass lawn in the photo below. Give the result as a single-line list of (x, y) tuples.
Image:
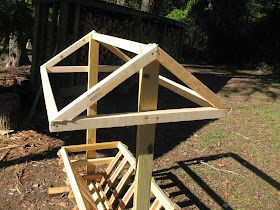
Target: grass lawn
[(233, 162)]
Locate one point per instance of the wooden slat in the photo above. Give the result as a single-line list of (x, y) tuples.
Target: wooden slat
[(73, 181), (115, 175), (97, 146), (140, 118), (99, 196), (106, 85), (125, 44), (67, 69), (110, 167), (72, 48), (162, 197), (93, 60), (48, 94), (58, 190), (117, 52), (185, 76), (80, 69), (147, 101), (156, 205), (128, 195), (96, 161), (121, 185), (183, 91)]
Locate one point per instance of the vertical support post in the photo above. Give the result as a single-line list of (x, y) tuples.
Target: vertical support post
[(147, 101), (93, 59)]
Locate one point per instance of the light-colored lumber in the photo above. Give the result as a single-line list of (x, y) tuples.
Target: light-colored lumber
[(99, 196), (165, 201), (125, 44), (97, 146), (167, 83), (183, 91), (110, 167), (121, 185), (72, 48), (147, 101), (73, 181), (185, 76), (58, 190), (156, 205), (96, 161), (114, 175), (140, 118), (67, 69), (48, 94), (128, 195), (106, 85), (80, 69), (93, 60), (117, 52)]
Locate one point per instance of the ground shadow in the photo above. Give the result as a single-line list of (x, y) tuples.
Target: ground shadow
[(192, 199)]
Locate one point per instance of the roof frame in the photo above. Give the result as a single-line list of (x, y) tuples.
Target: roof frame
[(145, 54)]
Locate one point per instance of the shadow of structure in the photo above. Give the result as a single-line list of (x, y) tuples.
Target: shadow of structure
[(174, 182)]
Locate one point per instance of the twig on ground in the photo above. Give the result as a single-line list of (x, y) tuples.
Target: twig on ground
[(238, 134), (222, 170), (3, 155), (9, 147)]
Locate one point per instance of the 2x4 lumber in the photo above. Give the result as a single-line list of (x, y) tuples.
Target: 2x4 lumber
[(96, 161), (48, 94), (73, 181), (80, 69), (156, 205), (121, 185), (72, 48), (185, 76), (97, 146), (147, 101), (125, 44), (117, 52), (107, 84), (93, 60), (183, 91), (140, 118)]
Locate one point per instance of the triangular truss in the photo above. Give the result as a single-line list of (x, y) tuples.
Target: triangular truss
[(68, 118)]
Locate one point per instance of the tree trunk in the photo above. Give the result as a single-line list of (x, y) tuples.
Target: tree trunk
[(123, 2), (17, 52), (151, 6), (9, 111)]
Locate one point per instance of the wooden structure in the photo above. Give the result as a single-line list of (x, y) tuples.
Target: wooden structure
[(147, 63), (96, 191)]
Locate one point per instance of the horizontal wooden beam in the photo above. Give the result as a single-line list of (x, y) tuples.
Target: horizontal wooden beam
[(124, 44), (97, 146), (79, 69), (59, 190), (95, 161), (139, 118), (183, 91), (99, 90)]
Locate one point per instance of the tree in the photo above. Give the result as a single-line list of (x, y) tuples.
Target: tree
[(15, 26), (152, 6)]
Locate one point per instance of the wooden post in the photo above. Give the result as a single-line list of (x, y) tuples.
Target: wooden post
[(93, 59), (147, 101)]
